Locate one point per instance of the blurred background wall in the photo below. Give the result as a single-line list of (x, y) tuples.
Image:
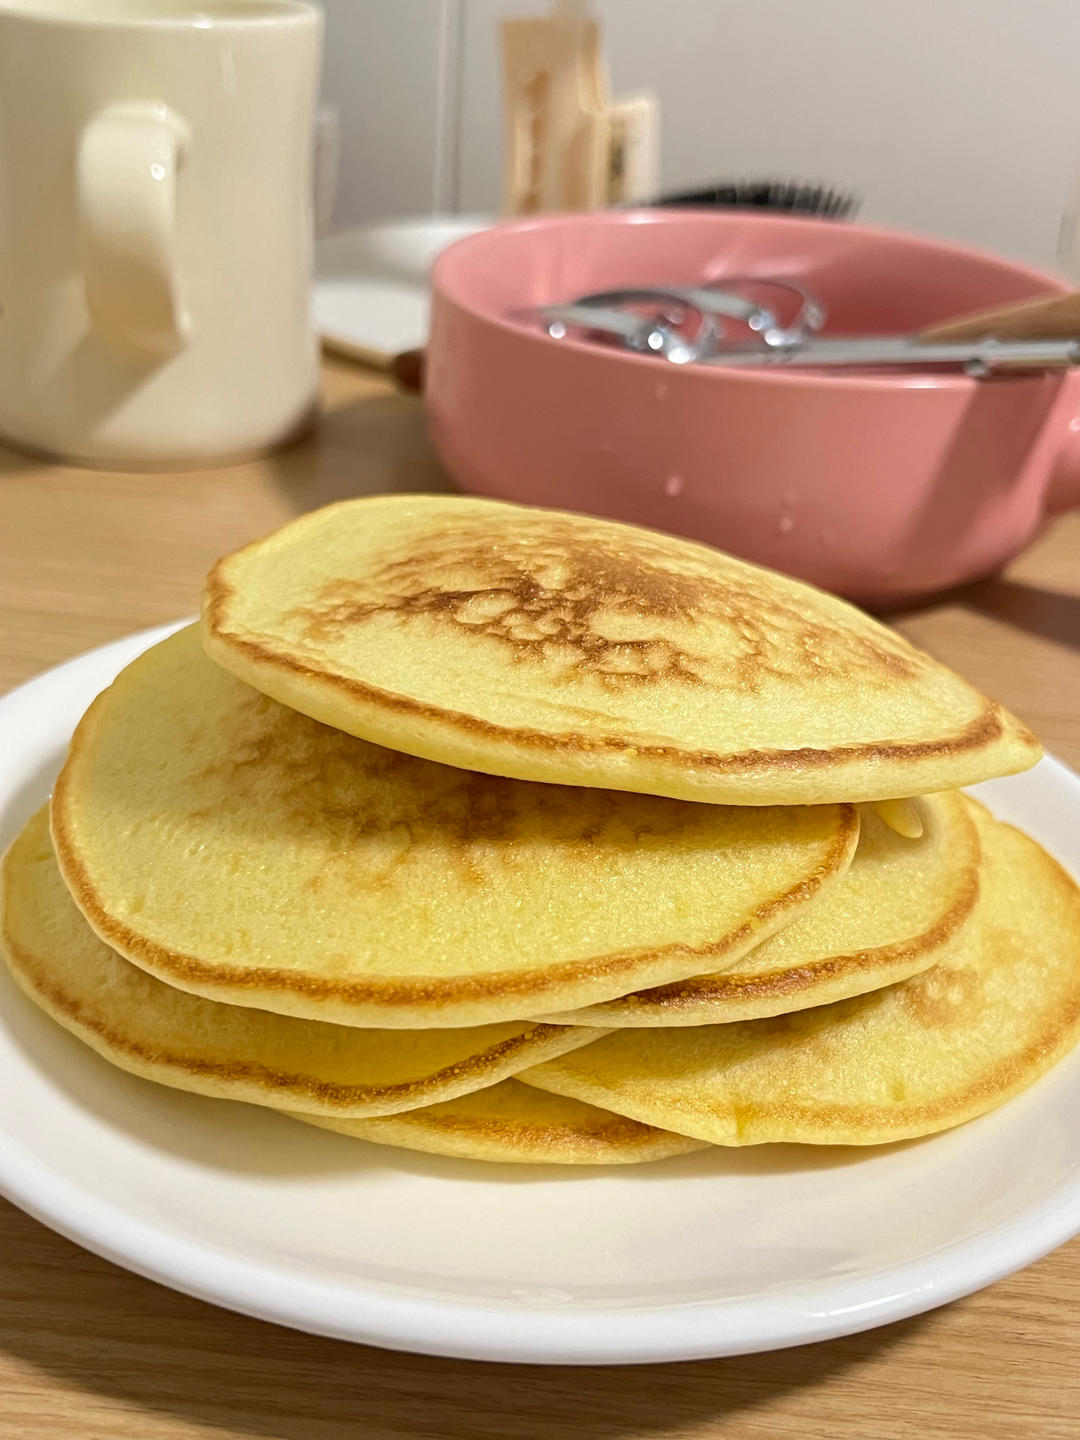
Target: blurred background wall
[(958, 117)]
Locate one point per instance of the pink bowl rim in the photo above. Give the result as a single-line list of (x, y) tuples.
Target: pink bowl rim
[(442, 282)]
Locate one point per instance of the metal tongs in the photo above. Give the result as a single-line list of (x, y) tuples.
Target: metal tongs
[(681, 324), (646, 336), (690, 325), (977, 358), (720, 305)]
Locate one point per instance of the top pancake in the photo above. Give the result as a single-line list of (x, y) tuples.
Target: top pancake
[(555, 647), (241, 851)]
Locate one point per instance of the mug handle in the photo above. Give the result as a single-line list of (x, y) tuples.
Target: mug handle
[(126, 168)]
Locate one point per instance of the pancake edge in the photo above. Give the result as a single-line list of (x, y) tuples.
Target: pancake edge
[(251, 1082), (609, 1143), (791, 1124), (783, 992), (432, 1001)]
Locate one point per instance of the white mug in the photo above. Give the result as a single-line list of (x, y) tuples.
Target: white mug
[(156, 227)]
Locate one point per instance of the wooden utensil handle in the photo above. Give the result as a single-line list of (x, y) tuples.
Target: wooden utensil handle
[(408, 369), (1048, 317)]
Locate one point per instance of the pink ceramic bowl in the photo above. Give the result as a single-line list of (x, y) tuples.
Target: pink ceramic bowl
[(880, 486)]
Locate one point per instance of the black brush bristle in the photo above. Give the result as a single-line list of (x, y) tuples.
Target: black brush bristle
[(796, 197)]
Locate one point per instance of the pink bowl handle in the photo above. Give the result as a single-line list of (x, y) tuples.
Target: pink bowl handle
[(1063, 492)]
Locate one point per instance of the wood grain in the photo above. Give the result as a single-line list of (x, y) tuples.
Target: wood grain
[(92, 1353), (1050, 317)]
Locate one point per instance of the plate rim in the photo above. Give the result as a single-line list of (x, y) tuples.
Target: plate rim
[(442, 229), (381, 1315)]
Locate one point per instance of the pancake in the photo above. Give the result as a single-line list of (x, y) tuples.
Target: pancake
[(999, 1008), (152, 1030), (244, 852), (890, 916), (556, 647), (511, 1122), (903, 816)]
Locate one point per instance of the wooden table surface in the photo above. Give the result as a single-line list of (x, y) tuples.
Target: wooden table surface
[(89, 1352)]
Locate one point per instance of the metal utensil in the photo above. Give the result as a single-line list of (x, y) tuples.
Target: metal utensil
[(976, 357), (599, 314), (808, 319), (643, 335), (722, 301), (719, 303)]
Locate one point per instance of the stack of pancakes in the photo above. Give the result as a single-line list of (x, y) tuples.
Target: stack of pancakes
[(519, 835)]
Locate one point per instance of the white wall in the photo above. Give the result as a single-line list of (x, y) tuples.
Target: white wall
[(388, 71), (960, 117)]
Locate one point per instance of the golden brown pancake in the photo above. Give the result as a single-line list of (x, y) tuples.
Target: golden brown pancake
[(555, 647), (239, 850), (903, 816), (163, 1034), (998, 1009), (511, 1122), (895, 909)]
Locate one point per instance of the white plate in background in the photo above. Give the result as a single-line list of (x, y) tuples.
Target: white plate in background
[(371, 298), (717, 1253)]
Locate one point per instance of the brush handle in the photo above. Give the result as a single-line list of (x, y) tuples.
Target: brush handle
[(1050, 317)]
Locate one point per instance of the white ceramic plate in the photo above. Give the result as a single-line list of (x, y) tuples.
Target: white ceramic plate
[(711, 1254), (370, 298)]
